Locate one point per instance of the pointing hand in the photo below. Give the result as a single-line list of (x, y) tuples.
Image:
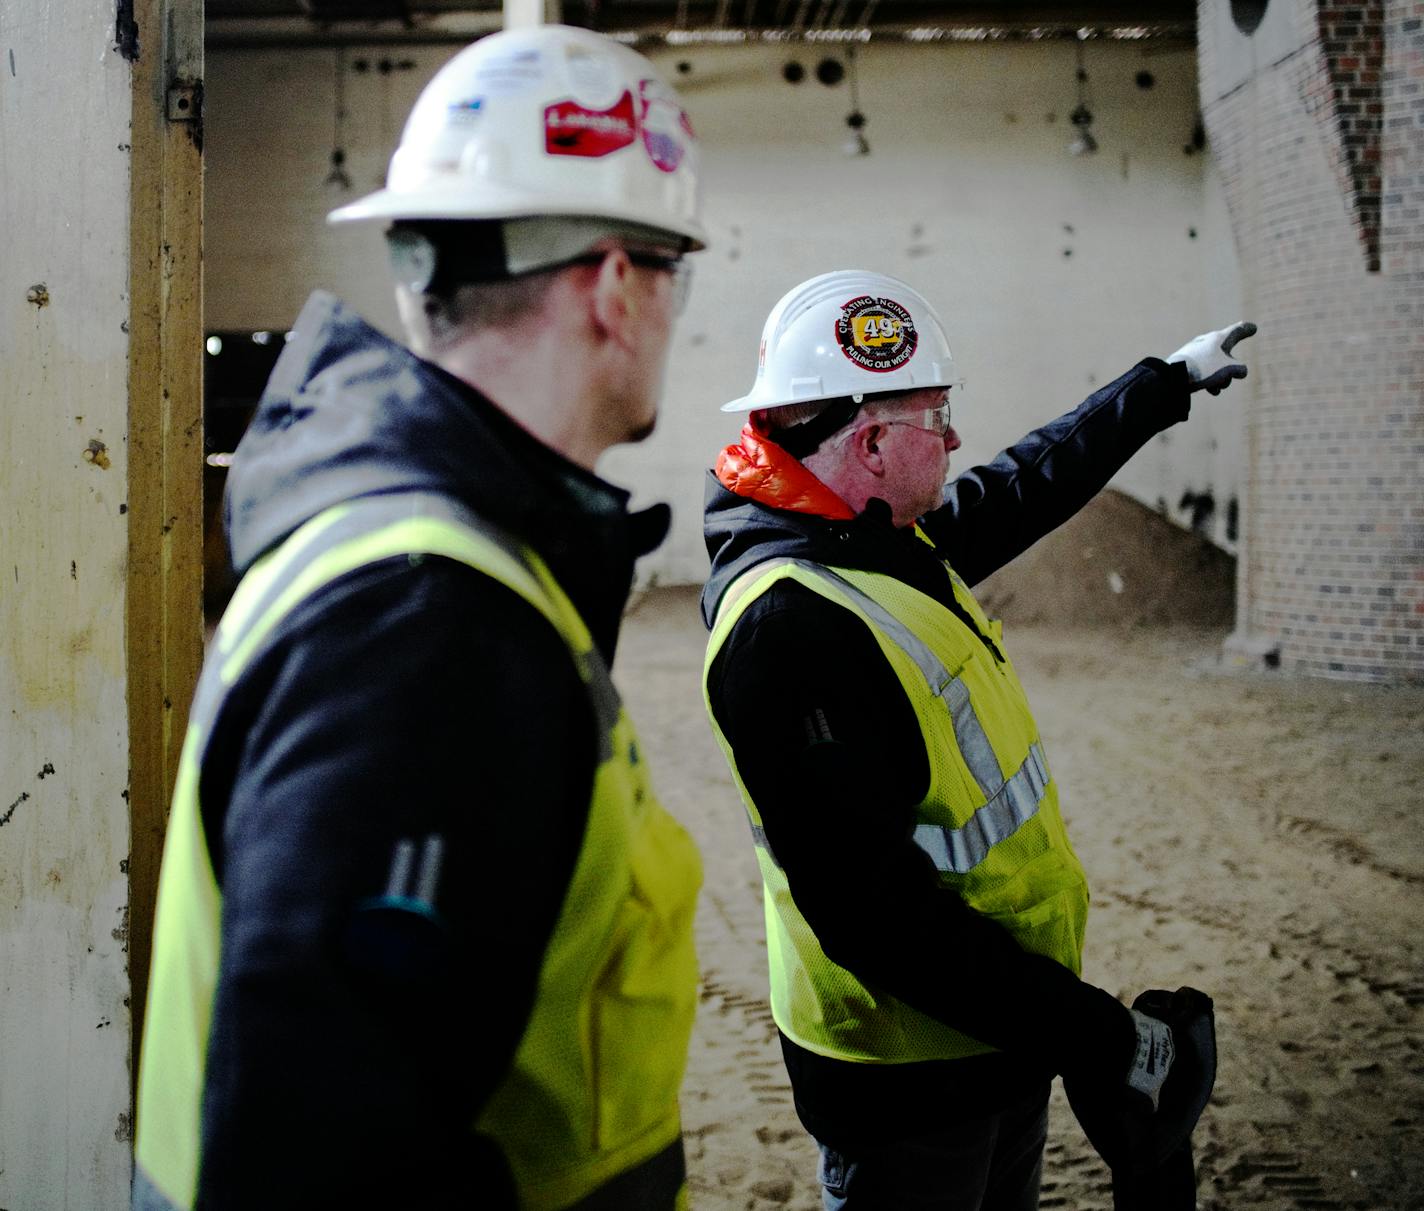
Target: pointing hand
[(1208, 357)]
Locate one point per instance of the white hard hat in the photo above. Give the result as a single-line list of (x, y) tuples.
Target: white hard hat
[(549, 120), (848, 333)]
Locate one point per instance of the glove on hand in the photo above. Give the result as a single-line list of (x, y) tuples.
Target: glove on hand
[(1153, 1060), (1138, 1123), (1208, 358)]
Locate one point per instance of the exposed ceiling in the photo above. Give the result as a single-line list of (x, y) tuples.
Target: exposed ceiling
[(708, 21)]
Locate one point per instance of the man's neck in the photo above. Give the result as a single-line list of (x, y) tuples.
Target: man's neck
[(536, 387)]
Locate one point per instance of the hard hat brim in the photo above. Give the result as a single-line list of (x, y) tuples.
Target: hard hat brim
[(456, 203), (752, 403), (746, 404)]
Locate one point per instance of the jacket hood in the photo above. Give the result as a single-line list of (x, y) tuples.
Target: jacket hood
[(350, 413)]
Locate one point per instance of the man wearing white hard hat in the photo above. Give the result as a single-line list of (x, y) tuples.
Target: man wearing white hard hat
[(424, 935), (925, 910)]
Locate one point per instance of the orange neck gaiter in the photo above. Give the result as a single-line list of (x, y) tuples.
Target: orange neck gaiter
[(760, 470)]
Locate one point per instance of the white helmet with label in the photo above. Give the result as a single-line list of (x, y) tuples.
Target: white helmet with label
[(545, 121), (848, 333)]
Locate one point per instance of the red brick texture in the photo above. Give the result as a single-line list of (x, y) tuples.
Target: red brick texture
[(1352, 43), (1326, 197)]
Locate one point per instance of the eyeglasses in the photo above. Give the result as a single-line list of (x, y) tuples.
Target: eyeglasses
[(936, 420), (679, 266), (933, 420)]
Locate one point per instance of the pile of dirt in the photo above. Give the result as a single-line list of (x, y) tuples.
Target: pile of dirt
[(1117, 564)]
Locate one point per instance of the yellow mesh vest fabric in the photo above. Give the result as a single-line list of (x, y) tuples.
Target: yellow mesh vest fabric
[(592, 1091), (990, 816)]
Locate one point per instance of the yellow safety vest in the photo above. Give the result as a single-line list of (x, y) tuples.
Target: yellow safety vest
[(591, 1095), (989, 821)]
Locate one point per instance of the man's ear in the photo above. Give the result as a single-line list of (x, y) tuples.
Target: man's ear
[(410, 306), (865, 446), (615, 303)]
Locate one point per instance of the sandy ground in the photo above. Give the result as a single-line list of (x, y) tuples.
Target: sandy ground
[(1251, 834)]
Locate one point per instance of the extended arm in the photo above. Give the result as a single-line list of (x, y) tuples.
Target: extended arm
[(993, 513), (407, 702)]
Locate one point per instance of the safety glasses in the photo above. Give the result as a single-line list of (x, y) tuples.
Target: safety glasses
[(680, 268), (936, 420), (677, 265)]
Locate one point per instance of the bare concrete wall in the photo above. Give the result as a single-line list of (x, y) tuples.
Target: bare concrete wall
[(64, 268), (1054, 273), (1317, 120)]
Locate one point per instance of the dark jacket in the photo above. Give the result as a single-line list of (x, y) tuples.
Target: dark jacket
[(839, 815), (402, 700)]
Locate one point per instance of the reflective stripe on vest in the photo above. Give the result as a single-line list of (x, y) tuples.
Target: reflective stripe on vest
[(619, 960), (989, 822), (1010, 802), (1015, 804)]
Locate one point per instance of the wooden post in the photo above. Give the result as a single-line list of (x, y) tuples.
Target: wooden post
[(165, 438)]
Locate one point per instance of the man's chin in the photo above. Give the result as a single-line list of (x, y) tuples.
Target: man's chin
[(642, 432)]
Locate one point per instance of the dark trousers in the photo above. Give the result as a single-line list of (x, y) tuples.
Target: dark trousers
[(989, 1164)]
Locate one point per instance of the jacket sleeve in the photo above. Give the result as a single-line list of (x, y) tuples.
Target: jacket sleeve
[(994, 513), (832, 754), (346, 1067)]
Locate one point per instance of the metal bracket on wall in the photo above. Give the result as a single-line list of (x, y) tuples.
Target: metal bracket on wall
[(185, 102)]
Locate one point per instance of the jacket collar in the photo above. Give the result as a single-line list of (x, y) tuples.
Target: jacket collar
[(760, 470)]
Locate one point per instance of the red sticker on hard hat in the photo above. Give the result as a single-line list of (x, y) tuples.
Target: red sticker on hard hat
[(571, 129), (666, 130), (876, 333)]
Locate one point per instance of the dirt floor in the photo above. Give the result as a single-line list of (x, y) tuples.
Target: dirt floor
[(1251, 834)]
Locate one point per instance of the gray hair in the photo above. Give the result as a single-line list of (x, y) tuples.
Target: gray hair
[(788, 415)]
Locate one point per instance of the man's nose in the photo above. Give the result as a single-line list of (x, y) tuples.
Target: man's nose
[(951, 441)]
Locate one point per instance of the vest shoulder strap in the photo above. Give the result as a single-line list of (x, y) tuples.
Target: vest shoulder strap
[(357, 533), (761, 576)]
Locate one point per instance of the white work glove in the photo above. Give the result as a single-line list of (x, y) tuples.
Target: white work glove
[(1155, 1052), (1208, 357)]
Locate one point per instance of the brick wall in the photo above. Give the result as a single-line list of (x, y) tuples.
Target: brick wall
[(1352, 46), (1317, 124)]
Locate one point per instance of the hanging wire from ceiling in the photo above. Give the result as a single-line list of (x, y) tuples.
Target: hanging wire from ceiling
[(856, 145), (338, 175), (1082, 117)]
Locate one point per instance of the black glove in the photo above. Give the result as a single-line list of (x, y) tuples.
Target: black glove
[(1153, 1061), (1137, 1123)]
